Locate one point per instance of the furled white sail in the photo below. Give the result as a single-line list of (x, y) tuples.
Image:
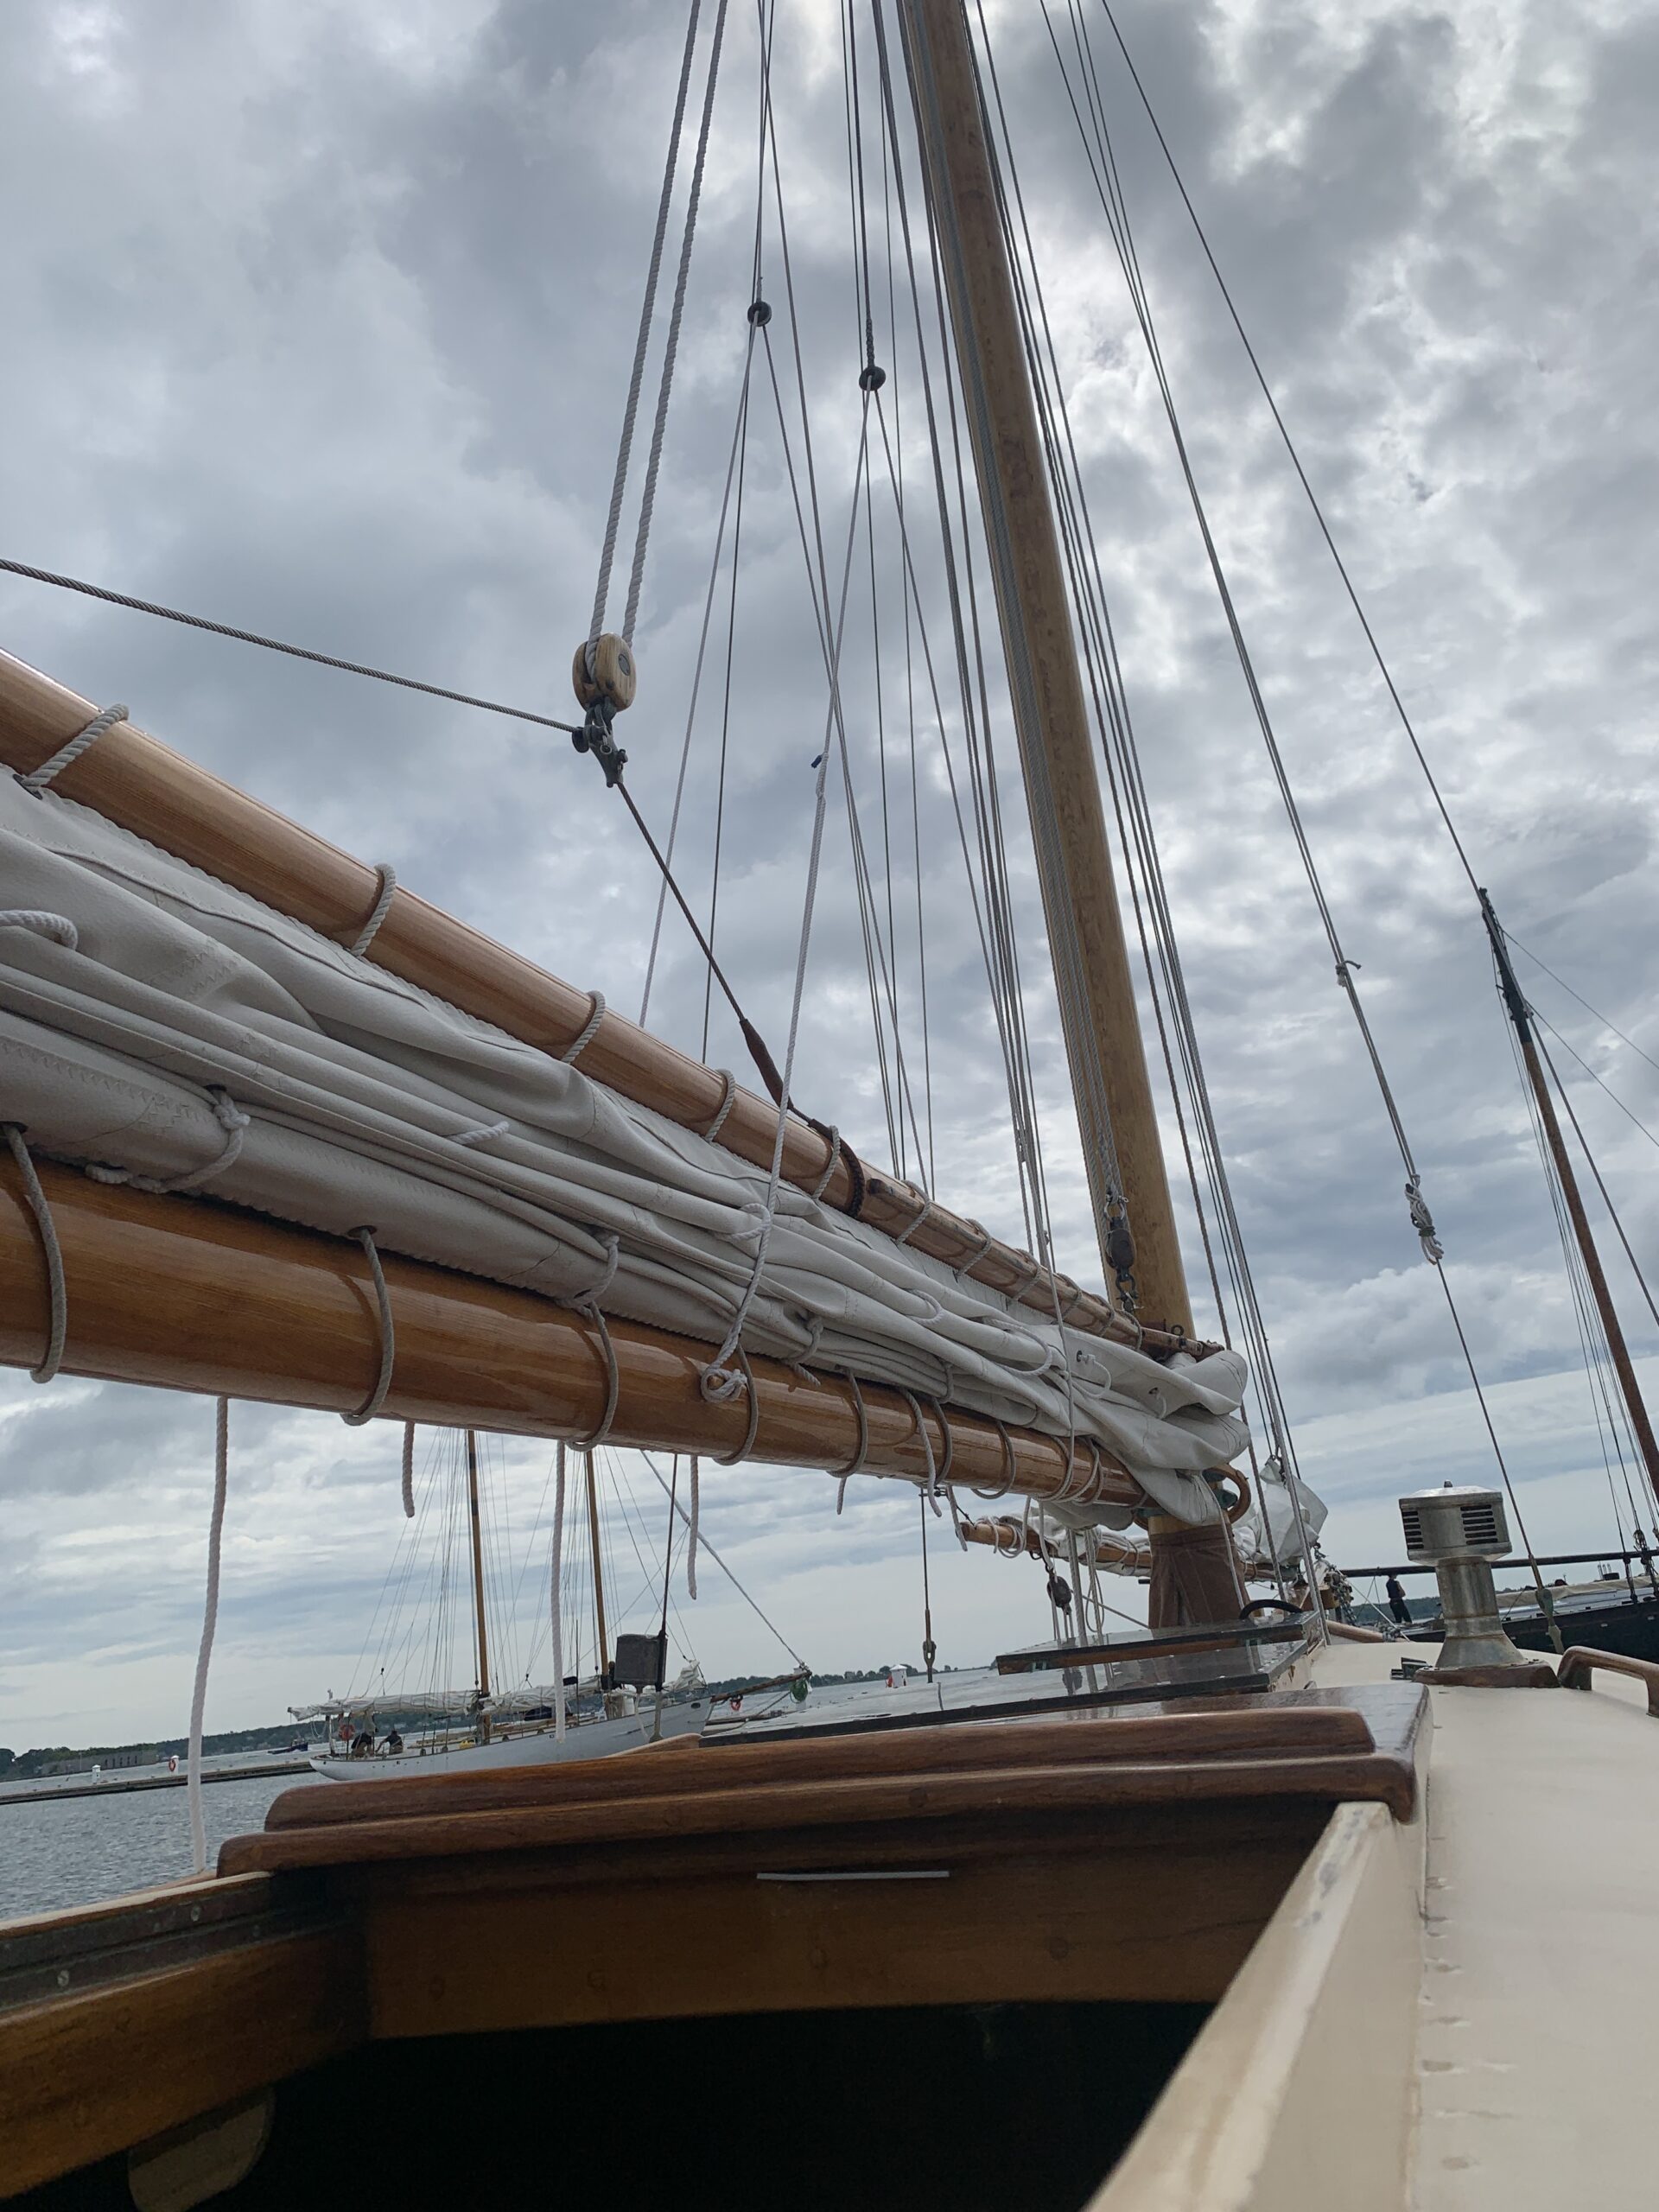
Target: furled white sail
[(134, 1039)]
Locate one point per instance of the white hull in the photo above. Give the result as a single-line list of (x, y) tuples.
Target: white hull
[(593, 1739)]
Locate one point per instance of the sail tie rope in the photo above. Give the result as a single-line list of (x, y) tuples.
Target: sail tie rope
[(408, 1470), (692, 1528), (803, 1366), (727, 1095), (986, 1240), (230, 1117), (57, 1290), (717, 1388), (589, 1030), (829, 1164), (58, 927), (387, 1330), (37, 781), (482, 1135), (612, 1379), (386, 882), (856, 1466), (930, 1486), (586, 1302), (915, 1221), (1423, 1221), (991, 1491), (209, 1622), (556, 1576)]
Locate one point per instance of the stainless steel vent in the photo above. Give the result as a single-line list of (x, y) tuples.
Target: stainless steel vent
[(1457, 1521)]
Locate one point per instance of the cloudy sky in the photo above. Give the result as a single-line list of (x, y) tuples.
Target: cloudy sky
[(318, 321)]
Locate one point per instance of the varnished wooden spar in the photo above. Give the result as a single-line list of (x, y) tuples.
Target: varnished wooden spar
[(141, 783), (1010, 1539), (188, 1294)]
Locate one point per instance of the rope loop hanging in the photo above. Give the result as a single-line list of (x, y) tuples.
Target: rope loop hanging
[(387, 881), (711, 1382), (408, 1470), (39, 780), (930, 1486), (377, 1397), (57, 1290), (613, 1380), (855, 1466), (209, 1623), (995, 1490)]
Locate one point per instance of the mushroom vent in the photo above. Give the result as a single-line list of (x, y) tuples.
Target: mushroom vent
[(1455, 1521)]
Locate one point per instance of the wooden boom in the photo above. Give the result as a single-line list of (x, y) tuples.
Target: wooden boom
[(137, 781), (236, 1305)]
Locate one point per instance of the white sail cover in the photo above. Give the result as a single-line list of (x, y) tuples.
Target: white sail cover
[(127, 1037)]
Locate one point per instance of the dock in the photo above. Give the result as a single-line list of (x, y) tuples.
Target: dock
[(117, 1785)]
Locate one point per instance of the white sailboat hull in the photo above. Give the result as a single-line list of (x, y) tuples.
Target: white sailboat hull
[(592, 1740)]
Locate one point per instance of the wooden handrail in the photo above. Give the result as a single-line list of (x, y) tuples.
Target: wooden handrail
[(1579, 1664)]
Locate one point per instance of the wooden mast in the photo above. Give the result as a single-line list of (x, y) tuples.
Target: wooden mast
[(1520, 1014), (1092, 964), (599, 1576), (478, 1586)]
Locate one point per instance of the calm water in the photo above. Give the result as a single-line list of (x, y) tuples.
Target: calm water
[(91, 1848)]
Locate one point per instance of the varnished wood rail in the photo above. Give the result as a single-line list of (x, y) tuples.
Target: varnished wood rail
[(1579, 1665)]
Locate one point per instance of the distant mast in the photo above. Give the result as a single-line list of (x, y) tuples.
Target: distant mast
[(1520, 1014), (477, 1588)]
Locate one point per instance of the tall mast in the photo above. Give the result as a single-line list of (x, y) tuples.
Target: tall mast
[(599, 1579), (1520, 1014), (1057, 752), (477, 1566)]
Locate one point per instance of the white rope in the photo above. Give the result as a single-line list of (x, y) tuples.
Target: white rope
[(57, 1291), (691, 1541), (556, 1576), (829, 1164), (230, 1117), (625, 444), (377, 1397), (38, 779), (58, 927), (209, 1622), (408, 1470), (856, 1466), (483, 1133), (670, 347), (589, 1031), (717, 1370), (727, 1093), (613, 1380), (386, 876)]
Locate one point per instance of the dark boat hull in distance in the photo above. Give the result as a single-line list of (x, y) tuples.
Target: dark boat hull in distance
[(1622, 1624)]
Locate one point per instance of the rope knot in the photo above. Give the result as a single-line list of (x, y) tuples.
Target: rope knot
[(1423, 1221)]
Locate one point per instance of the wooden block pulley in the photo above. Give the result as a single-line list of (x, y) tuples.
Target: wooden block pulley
[(607, 672)]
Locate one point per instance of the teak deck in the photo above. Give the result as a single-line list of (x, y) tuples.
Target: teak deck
[(1013, 1861)]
